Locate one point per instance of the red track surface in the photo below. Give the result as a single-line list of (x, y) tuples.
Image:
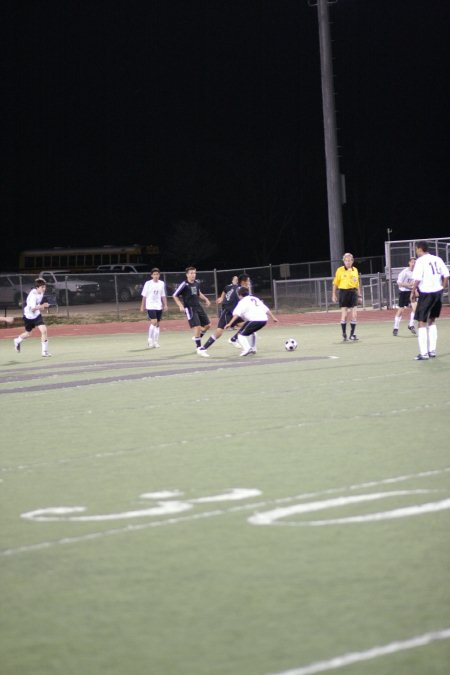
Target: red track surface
[(364, 316)]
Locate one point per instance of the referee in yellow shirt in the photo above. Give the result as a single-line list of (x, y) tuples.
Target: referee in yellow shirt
[(346, 280)]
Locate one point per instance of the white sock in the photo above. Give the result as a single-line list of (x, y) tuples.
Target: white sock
[(243, 342), (397, 322), (432, 337), (252, 340), (151, 333), (45, 347), (423, 340), (411, 319), (156, 334)]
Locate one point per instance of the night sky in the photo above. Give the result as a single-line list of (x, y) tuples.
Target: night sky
[(123, 121)]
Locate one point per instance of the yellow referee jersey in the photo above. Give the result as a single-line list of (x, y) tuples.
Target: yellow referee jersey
[(346, 278)]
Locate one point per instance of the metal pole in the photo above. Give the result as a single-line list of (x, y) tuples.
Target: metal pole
[(334, 184)]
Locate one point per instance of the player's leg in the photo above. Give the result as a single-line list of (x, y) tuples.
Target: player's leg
[(44, 339), (353, 321)]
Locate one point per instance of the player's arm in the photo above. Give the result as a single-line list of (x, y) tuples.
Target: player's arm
[(233, 321), (177, 299), (204, 298), (415, 284), (221, 298)]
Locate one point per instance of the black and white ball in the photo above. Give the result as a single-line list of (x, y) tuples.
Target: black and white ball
[(290, 345)]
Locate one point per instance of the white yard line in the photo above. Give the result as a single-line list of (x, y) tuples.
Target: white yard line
[(373, 653)]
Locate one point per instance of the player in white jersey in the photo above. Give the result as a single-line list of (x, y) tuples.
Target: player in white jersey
[(255, 313), (154, 300), (430, 277), (405, 284), (32, 317)]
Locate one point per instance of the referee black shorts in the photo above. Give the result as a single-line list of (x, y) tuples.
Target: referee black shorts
[(348, 297)]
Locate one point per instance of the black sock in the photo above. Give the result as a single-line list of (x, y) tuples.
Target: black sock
[(209, 342), (344, 328), (352, 328), (198, 342)]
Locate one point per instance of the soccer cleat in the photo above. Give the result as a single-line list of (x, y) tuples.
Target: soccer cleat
[(395, 332), (150, 344), (412, 329), (421, 357), (353, 338), (156, 345), (201, 351), (344, 338), (235, 343), (46, 354), (432, 355), (17, 345), (246, 352), (252, 350)]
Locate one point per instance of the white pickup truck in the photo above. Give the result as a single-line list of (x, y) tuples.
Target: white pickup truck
[(68, 288)]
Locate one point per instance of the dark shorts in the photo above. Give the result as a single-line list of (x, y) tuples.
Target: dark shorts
[(225, 317), (32, 323), (348, 297), (197, 316), (404, 298), (154, 314), (251, 327), (428, 306)]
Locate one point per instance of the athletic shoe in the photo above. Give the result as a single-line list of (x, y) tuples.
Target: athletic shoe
[(353, 338), (395, 332), (421, 357), (201, 351), (253, 350), (412, 329), (17, 345), (45, 354), (246, 352), (432, 355), (156, 345), (151, 344), (344, 338), (235, 343)]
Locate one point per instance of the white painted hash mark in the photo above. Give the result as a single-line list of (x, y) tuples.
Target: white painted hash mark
[(374, 653)]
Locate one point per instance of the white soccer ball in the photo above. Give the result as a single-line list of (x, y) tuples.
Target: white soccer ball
[(290, 345)]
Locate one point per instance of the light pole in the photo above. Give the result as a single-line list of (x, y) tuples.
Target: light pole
[(334, 195)]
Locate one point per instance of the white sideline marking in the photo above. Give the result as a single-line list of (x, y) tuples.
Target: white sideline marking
[(209, 514), (374, 653)]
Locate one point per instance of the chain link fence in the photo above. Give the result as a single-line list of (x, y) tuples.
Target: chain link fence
[(284, 287)]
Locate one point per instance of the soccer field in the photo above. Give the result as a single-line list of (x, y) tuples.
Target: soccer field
[(284, 513)]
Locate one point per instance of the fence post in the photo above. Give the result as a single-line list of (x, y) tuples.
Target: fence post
[(275, 295)]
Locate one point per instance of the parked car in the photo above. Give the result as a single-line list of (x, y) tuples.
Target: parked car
[(124, 281), (69, 288), (12, 292)]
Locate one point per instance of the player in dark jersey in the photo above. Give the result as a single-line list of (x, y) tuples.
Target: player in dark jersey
[(187, 296), (228, 299)]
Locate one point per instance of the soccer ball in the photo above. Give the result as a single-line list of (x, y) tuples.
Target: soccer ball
[(290, 345)]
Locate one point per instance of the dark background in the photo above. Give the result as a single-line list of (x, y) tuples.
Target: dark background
[(139, 121)]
